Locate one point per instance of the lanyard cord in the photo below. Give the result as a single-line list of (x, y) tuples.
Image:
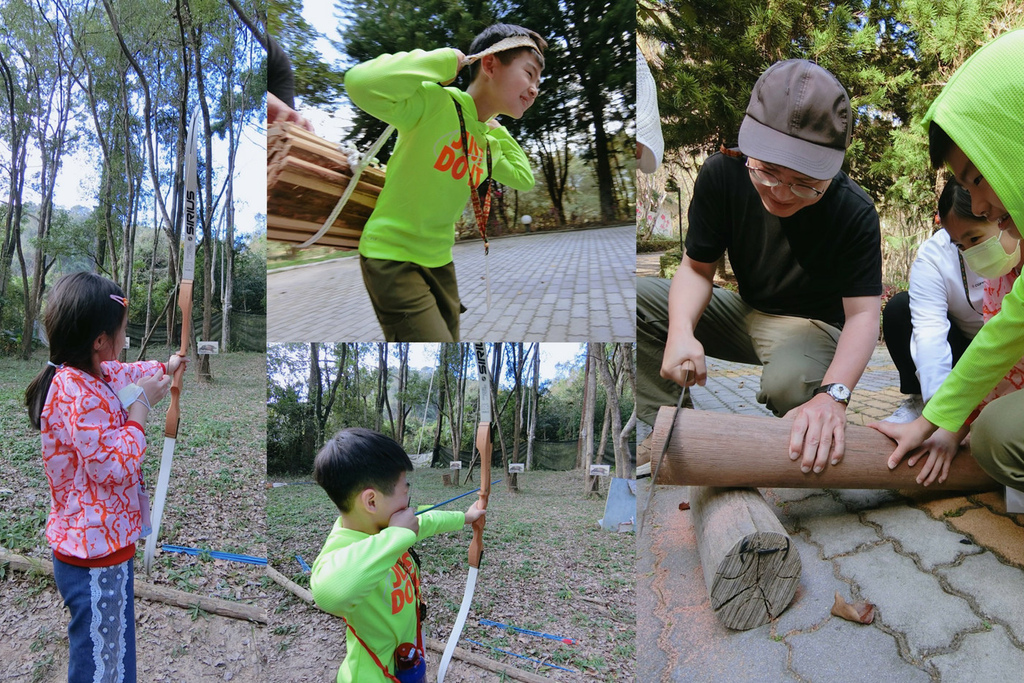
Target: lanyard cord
[(963, 276), (482, 212)]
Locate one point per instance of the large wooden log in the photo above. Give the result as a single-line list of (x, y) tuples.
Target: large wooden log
[(149, 591), (751, 569), (723, 449)]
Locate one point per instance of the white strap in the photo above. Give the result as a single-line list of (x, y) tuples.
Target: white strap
[(353, 181)]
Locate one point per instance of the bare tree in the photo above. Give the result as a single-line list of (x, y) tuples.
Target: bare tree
[(534, 393), (590, 483), (403, 382)]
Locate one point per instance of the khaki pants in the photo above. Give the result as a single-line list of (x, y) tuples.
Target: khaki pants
[(413, 303), (794, 352), (997, 440)]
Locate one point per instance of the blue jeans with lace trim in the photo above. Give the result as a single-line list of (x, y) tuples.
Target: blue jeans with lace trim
[(101, 632)]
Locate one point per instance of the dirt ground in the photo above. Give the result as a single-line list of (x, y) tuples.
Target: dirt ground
[(546, 567), (216, 501)]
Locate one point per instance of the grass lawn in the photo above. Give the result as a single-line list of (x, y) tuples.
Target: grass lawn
[(547, 567)]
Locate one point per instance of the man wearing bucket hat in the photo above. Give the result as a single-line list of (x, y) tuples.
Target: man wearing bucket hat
[(804, 243)]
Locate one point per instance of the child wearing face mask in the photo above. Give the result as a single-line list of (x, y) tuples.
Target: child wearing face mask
[(981, 140)]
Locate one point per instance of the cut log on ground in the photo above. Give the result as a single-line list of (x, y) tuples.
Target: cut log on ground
[(306, 175), (435, 645), (751, 568), (289, 585), (723, 449), (170, 596)]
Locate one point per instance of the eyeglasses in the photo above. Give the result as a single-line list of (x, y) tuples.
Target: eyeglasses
[(769, 179)]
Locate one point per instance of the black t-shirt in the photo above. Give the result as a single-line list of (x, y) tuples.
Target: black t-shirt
[(803, 265), (280, 80)]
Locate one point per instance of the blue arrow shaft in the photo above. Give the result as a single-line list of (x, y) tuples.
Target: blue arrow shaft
[(497, 481)]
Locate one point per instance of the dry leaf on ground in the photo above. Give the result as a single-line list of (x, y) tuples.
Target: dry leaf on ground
[(860, 612)]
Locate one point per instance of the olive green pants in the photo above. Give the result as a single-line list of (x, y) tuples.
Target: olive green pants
[(794, 352), (997, 440), (413, 303)]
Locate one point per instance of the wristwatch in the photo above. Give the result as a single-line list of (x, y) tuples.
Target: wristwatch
[(838, 392)]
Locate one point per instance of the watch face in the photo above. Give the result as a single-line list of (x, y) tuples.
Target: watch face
[(839, 392)]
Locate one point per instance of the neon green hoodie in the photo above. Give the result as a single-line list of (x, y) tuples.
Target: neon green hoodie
[(982, 110), (427, 186), (371, 581)]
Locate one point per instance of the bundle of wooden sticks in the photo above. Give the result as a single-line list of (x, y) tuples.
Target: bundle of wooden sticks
[(306, 175)]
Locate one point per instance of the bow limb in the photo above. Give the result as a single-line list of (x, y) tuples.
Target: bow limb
[(476, 546), (188, 267)]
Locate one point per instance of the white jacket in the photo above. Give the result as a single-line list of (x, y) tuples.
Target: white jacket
[(936, 297)]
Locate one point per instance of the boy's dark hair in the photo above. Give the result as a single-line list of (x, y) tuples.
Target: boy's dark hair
[(954, 197), (78, 311), (356, 459), (939, 144), (495, 32)]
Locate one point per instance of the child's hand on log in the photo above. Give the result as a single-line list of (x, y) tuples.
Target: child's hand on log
[(909, 438), (939, 449)]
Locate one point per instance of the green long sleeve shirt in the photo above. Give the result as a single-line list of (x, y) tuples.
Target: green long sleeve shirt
[(980, 109), (371, 581), (427, 183)]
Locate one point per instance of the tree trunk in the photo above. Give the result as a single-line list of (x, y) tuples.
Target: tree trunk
[(590, 483), (534, 393), (403, 381), (517, 370), (612, 392)]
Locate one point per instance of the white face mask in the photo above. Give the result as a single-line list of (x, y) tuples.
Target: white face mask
[(989, 259)]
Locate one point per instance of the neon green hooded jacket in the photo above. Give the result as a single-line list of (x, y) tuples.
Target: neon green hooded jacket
[(371, 581), (982, 110), (427, 185)]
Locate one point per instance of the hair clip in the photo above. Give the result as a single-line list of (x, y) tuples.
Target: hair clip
[(54, 365), (120, 299)]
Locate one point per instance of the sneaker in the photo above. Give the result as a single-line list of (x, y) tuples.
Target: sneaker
[(908, 411)]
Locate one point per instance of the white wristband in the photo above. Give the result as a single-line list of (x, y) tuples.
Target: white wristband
[(132, 393)]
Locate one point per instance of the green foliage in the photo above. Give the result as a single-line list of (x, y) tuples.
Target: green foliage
[(316, 82), (891, 55)]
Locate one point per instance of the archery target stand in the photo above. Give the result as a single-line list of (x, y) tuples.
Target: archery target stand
[(620, 507)]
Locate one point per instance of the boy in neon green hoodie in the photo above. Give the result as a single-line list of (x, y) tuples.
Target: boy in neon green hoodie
[(976, 128), (406, 246), (366, 572)]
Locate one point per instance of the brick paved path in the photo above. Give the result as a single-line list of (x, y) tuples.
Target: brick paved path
[(944, 572), (555, 287)]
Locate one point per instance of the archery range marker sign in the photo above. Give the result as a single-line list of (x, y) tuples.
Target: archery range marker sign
[(600, 470), (207, 348), (516, 468)]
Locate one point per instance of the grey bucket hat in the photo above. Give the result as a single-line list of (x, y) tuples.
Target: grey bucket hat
[(799, 117)]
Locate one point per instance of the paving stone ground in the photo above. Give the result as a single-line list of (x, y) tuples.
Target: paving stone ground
[(945, 571), (573, 286)]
